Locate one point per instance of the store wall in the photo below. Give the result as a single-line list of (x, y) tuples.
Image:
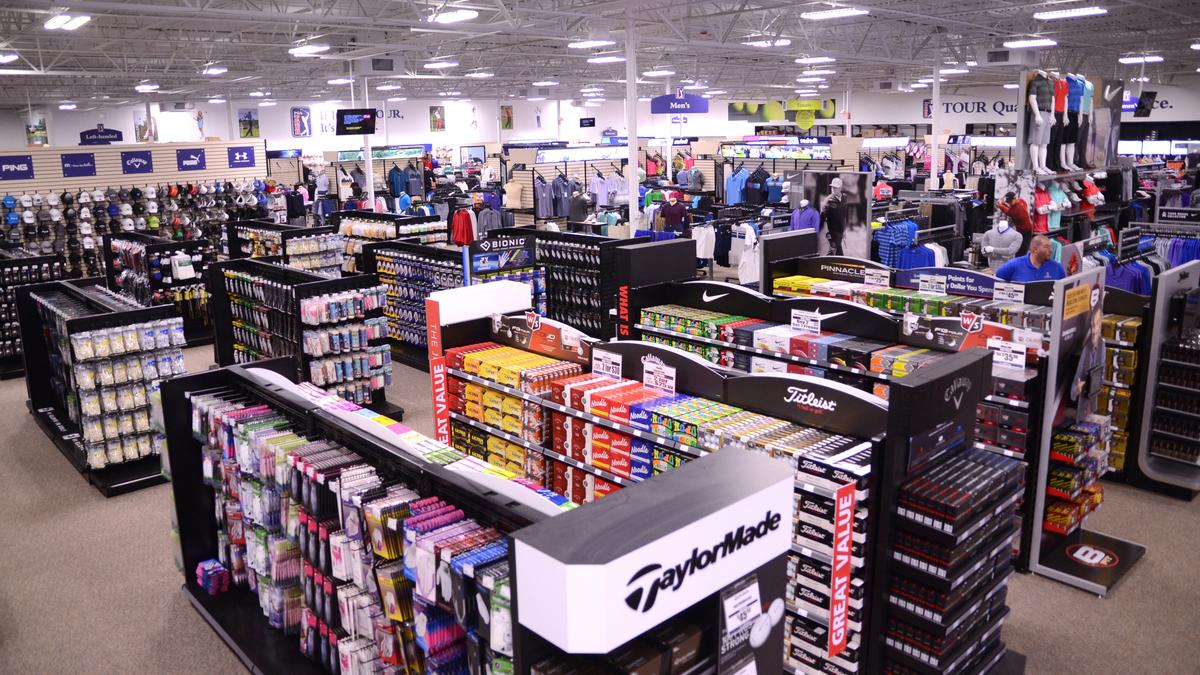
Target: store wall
[(1175, 103)]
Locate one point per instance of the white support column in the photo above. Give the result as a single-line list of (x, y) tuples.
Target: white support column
[(631, 101), (234, 134), (370, 165), (846, 109), (936, 161)]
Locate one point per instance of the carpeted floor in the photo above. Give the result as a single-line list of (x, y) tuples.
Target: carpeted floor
[(89, 584)]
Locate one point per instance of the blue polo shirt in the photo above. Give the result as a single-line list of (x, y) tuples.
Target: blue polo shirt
[(1022, 270)]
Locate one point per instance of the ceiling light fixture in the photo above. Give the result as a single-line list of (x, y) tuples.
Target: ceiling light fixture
[(1010, 85), (56, 22), (1031, 42), (480, 75), (813, 60), (545, 83), (8, 58), (590, 44), (76, 22), (820, 71), (687, 80), (813, 95), (1072, 13), (146, 87), (388, 87), (606, 59), (257, 94), (822, 86), (450, 93), (397, 99), (216, 100), (454, 16), (768, 42), (67, 106), (1143, 58), (1196, 46), (971, 64), (333, 101), (214, 70), (340, 80), (928, 80), (440, 65), (837, 13), (805, 91), (918, 85), (536, 98), (1139, 79), (810, 79), (308, 49), (953, 71), (717, 92), (696, 86), (658, 72), (595, 94), (588, 90), (266, 104)]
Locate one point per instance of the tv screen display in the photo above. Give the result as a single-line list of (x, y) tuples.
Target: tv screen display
[(355, 121)]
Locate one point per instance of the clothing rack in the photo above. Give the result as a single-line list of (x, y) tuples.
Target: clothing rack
[(936, 233)]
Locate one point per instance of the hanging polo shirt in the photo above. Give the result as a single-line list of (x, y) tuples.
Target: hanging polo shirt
[(1041, 220), (1057, 196), (1022, 270)]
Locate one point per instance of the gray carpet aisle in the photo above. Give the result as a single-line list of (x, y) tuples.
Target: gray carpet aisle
[(90, 584)]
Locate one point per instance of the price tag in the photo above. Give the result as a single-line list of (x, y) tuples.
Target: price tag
[(658, 375), (932, 283), (606, 363), (741, 606), (806, 322), (1010, 292), (877, 277), (1007, 353)]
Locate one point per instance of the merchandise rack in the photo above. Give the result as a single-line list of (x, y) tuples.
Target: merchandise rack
[(287, 325), (286, 236), (559, 286), (537, 539), (235, 243), (410, 352), (45, 406), (1130, 305), (403, 227), (18, 267), (197, 325)]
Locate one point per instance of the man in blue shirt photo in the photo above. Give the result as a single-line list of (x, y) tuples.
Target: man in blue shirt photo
[(1033, 266)]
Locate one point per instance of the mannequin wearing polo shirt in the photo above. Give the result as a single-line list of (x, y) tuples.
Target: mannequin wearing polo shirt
[(1034, 266), (675, 215)]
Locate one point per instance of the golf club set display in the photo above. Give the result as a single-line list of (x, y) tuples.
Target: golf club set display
[(70, 222)]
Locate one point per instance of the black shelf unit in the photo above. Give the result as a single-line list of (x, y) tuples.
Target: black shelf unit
[(47, 408), (287, 326), (296, 233), (354, 243), (235, 243), (410, 350), (18, 267), (197, 324), (559, 271), (1126, 304)]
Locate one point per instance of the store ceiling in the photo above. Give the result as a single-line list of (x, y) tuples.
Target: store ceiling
[(521, 41)]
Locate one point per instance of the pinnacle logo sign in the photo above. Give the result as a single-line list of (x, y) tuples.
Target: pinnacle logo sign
[(646, 584)]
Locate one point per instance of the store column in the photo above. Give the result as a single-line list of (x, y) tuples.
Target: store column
[(935, 158), (631, 101), (370, 170)]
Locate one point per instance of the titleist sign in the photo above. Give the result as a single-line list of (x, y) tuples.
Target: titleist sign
[(804, 397)]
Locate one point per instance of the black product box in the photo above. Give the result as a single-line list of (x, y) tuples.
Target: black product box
[(812, 661), (1008, 387), (744, 335), (1016, 419), (822, 511), (819, 574), (805, 630), (1012, 439), (987, 412), (855, 352), (819, 597), (821, 539), (986, 433), (835, 469)]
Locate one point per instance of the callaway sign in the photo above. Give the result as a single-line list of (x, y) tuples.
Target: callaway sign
[(137, 161)]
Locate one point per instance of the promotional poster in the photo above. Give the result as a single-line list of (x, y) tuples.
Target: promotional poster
[(844, 201)]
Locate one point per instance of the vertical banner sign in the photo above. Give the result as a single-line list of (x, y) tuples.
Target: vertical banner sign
[(78, 164), (437, 371), (137, 161), (16, 167), (839, 595), (190, 159), (241, 157)]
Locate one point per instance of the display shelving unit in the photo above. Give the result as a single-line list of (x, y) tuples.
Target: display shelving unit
[(19, 267), (196, 318)]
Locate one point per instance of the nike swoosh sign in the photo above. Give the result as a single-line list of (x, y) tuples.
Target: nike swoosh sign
[(709, 298), (1109, 93)]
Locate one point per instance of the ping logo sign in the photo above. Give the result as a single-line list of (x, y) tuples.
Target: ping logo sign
[(646, 584), (957, 389)]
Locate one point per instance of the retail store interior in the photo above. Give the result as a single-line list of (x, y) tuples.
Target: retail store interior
[(341, 337)]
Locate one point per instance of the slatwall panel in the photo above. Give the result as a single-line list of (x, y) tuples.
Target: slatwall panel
[(523, 219), (525, 179), (494, 162), (286, 170), (47, 166), (379, 166), (708, 169)]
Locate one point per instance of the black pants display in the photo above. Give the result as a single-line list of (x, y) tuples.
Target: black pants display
[(1056, 137), (1083, 142)]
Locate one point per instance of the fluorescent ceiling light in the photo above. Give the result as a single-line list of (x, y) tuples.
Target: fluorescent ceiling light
[(146, 87), (480, 75), (717, 92), (805, 91), (8, 58), (706, 95), (658, 73), (810, 79), (216, 100), (953, 71), (811, 60), (822, 86), (1072, 13), (928, 80), (67, 106), (334, 101), (768, 42), (1195, 45), (1145, 58), (1032, 42), (838, 13), (76, 22), (257, 94), (310, 49), (545, 83), (606, 59), (593, 103), (439, 65), (588, 90), (696, 86), (820, 71), (214, 70), (590, 44), (971, 64), (388, 87), (1139, 79), (397, 99), (340, 80), (594, 94), (536, 98), (454, 16), (266, 104), (56, 22), (813, 95), (450, 93), (1012, 86), (645, 98), (918, 85)]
